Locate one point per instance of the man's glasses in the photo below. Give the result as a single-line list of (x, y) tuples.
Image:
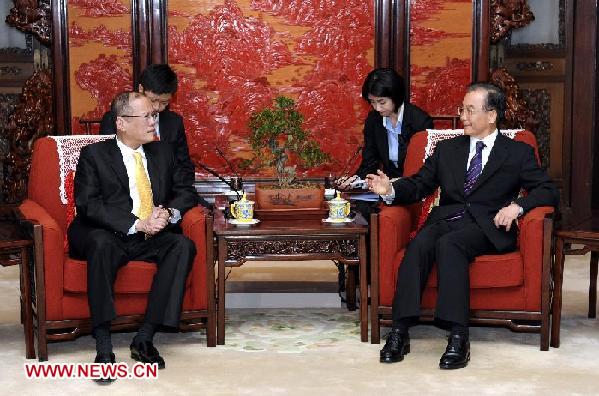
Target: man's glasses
[(468, 111), (152, 116)]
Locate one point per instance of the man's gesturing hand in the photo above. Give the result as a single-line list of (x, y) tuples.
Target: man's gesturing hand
[(379, 183)]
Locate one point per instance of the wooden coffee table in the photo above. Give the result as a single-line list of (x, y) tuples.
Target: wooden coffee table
[(586, 234), (290, 240)]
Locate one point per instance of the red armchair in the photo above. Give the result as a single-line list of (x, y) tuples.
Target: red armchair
[(60, 304), (511, 290)]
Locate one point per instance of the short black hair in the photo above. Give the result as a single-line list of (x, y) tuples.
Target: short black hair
[(495, 98), (385, 82), (159, 79)]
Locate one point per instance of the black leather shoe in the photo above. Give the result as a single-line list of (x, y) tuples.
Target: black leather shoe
[(145, 352), (397, 345), (457, 353), (104, 358)]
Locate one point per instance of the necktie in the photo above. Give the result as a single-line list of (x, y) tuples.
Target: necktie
[(144, 189), (472, 174), (475, 168)]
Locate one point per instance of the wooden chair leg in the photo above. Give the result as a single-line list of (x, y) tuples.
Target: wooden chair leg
[(593, 285), (556, 306), (211, 330), (42, 343)]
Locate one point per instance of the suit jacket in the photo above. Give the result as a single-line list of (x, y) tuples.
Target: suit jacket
[(511, 166), (172, 131), (102, 187), (376, 144)]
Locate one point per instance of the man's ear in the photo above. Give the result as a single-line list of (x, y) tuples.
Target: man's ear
[(120, 123), (493, 117)]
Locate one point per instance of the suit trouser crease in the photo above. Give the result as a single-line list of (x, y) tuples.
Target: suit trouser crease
[(453, 245), (106, 253)]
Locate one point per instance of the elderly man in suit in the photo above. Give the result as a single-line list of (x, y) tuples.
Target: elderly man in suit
[(130, 194), (480, 175)]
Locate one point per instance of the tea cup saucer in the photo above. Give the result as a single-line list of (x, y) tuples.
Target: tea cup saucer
[(243, 222), (337, 221)]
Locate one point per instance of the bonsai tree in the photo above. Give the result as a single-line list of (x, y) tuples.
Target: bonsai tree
[(276, 134)]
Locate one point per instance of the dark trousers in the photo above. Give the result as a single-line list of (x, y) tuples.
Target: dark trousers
[(453, 245), (105, 253)]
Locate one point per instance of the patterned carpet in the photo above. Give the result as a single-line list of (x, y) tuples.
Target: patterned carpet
[(290, 330)]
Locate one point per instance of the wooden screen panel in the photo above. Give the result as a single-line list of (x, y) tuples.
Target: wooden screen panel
[(100, 60), (235, 57), (440, 53)]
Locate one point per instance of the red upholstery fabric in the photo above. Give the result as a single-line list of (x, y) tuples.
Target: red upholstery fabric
[(66, 279), (498, 282)]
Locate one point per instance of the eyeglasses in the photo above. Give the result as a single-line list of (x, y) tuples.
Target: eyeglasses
[(469, 111), (153, 116)]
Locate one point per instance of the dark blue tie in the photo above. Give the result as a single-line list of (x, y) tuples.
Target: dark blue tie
[(475, 168), (472, 174)]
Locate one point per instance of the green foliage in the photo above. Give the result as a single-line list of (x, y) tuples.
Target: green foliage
[(276, 132)]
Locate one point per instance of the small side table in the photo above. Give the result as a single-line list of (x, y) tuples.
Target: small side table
[(586, 234), (14, 250)]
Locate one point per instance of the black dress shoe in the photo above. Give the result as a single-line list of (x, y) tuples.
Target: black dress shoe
[(397, 345), (104, 358), (145, 352), (457, 353)]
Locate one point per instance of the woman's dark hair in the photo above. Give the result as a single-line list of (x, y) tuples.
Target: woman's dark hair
[(495, 98), (386, 83), (159, 79)]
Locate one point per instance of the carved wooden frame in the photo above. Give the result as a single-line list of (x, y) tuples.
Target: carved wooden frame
[(542, 49)]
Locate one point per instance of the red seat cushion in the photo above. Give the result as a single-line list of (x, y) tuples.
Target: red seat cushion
[(135, 277), (488, 271)]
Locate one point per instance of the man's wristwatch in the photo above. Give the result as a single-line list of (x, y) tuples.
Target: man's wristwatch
[(520, 209), (170, 213)]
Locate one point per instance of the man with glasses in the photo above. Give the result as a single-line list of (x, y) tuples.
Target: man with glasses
[(158, 82), (130, 194), (480, 175)]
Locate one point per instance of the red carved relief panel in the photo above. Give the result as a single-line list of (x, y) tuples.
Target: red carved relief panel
[(235, 57), (100, 61), (440, 53)]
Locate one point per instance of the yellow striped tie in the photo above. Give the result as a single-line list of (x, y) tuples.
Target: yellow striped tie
[(144, 189)]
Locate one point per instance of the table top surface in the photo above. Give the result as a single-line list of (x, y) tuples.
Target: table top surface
[(312, 226), (587, 229)]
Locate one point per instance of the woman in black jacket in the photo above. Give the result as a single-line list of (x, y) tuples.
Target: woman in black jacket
[(388, 127)]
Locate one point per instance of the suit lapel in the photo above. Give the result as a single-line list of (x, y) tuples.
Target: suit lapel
[(117, 164), (462, 148), (497, 157), (152, 162)]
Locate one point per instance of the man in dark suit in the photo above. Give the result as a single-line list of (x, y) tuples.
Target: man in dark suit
[(388, 127), (480, 175), (158, 82), (130, 194)]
